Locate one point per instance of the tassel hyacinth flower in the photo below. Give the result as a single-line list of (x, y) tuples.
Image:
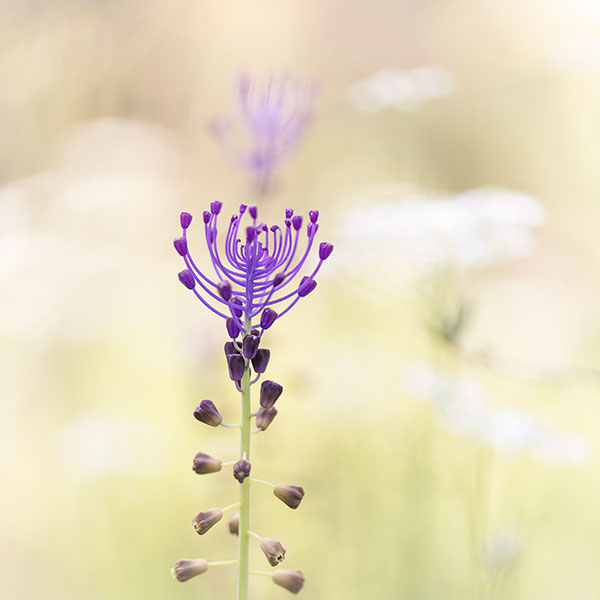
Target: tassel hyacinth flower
[(259, 276), (273, 117)]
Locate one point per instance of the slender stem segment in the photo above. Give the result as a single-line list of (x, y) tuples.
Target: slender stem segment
[(244, 524)]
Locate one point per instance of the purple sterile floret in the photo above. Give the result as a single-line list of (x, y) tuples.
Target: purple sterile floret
[(224, 288), (288, 213), (206, 216), (253, 210), (215, 207), (257, 268), (325, 249), (313, 215), (267, 318), (180, 245), (307, 285), (187, 279), (185, 219)]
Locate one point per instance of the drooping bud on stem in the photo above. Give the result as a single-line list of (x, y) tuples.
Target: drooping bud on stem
[(224, 288), (269, 392), (236, 364), (264, 417), (204, 520), (241, 469), (205, 463), (206, 412), (234, 524), (289, 494), (273, 550), (291, 580), (186, 568), (187, 279), (261, 360), (250, 345)]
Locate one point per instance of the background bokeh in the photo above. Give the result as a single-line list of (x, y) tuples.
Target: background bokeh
[(103, 118)]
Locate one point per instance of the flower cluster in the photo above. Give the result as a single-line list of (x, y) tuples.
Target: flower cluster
[(273, 117), (258, 270)]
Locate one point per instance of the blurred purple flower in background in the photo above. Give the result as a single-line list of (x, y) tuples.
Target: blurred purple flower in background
[(273, 117)]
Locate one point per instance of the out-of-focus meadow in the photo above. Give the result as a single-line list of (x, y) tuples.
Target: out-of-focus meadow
[(442, 456)]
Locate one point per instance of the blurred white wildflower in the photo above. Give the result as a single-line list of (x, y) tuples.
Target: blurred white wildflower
[(72, 236), (94, 445), (401, 89), (575, 53), (502, 548), (462, 409), (411, 234)]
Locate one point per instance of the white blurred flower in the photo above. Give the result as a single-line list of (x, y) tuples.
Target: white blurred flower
[(409, 235), (502, 548), (402, 89), (462, 409), (94, 445), (575, 53)]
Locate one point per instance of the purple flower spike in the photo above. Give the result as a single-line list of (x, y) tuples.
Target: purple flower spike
[(185, 219), (180, 245), (232, 329), (252, 270), (313, 215), (224, 288), (250, 345), (274, 116), (307, 285), (267, 318), (215, 207), (269, 393), (325, 249), (236, 364), (253, 210), (261, 360), (206, 412), (187, 279)]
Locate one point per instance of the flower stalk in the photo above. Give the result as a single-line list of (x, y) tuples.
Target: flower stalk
[(244, 522)]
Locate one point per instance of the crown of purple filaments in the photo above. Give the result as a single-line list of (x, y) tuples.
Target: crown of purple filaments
[(251, 275)]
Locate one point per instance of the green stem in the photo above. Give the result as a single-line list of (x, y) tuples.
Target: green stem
[(244, 525)]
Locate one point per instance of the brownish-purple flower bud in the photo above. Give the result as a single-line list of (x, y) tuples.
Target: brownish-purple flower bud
[(205, 463), (230, 349), (241, 469), (264, 417), (186, 568), (273, 550), (206, 412), (206, 519), (291, 580), (269, 392), (236, 365), (250, 345), (289, 494), (234, 524), (261, 360)]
